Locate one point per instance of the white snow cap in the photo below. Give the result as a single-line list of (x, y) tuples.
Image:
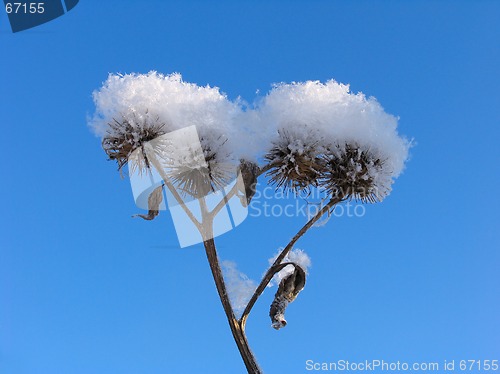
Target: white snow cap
[(139, 98), (329, 114), (313, 113), (297, 256), (239, 287)]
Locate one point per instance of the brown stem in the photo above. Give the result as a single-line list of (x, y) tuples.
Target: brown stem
[(224, 200), (157, 165), (236, 328), (272, 270), (205, 227), (213, 260)]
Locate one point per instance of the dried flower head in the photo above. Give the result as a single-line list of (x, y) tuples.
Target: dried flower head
[(200, 173), (353, 173), (125, 136), (294, 164), (322, 115)]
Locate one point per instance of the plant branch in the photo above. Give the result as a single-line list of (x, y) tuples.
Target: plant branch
[(272, 270), (205, 227), (224, 200), (213, 260), (236, 329), (157, 165)]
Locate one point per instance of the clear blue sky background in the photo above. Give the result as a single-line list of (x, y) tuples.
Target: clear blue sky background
[(84, 288)]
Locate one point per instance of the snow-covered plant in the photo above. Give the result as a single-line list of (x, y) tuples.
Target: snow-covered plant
[(300, 137), (134, 109), (327, 137)]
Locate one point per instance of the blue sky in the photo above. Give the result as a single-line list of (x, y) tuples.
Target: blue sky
[(84, 288)]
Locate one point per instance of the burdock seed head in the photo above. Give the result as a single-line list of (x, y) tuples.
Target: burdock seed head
[(126, 135), (197, 174), (353, 173), (295, 164)]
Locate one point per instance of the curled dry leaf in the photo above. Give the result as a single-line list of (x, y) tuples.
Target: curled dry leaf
[(154, 201), (287, 292), (249, 172)]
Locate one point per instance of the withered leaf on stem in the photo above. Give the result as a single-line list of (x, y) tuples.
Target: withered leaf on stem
[(287, 292), (154, 201), (248, 172)]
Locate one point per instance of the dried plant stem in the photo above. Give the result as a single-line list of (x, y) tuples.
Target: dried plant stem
[(150, 154), (213, 260), (199, 225), (276, 266), (236, 328), (225, 199), (205, 228)]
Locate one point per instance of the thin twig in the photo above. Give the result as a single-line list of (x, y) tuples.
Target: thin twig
[(224, 200), (271, 271), (157, 165)]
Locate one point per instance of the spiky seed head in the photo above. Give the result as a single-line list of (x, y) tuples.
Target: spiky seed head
[(124, 136), (295, 164), (350, 173), (197, 178)]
